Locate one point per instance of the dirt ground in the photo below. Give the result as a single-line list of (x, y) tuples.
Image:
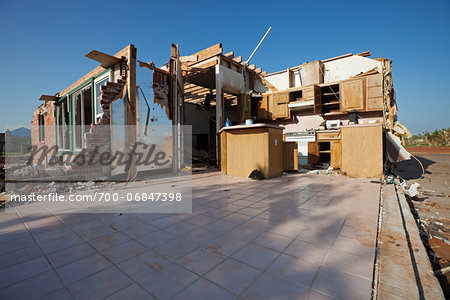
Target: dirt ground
[(432, 205), (429, 150)]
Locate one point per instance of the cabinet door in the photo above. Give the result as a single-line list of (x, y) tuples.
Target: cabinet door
[(352, 94), (313, 153), (336, 154), (263, 108), (374, 85), (278, 103)]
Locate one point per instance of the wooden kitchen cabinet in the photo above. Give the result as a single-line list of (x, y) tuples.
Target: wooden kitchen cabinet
[(352, 95), (278, 105), (326, 149), (374, 87), (313, 153), (336, 154)]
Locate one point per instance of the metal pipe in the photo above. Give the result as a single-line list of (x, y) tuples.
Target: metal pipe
[(268, 30)]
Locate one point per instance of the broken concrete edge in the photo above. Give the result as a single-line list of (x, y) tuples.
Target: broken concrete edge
[(376, 265), (428, 286)]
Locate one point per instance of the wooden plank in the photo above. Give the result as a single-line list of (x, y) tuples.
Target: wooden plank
[(374, 88), (258, 70), (263, 73), (189, 58), (364, 54), (48, 98), (362, 150), (290, 156), (337, 57), (238, 59), (223, 152), (336, 154), (208, 53), (312, 73), (95, 72), (313, 152), (262, 109), (229, 54), (106, 60), (251, 67)]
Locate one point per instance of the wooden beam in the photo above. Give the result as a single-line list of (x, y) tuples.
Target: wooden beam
[(106, 60), (364, 54), (263, 73), (337, 57), (251, 67), (93, 73), (149, 65), (48, 98), (208, 53), (229, 54), (189, 58), (258, 70), (238, 59)]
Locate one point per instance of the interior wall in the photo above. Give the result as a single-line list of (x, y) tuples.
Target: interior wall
[(307, 120), (347, 67), (279, 80)]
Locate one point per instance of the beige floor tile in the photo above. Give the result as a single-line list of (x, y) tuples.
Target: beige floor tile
[(233, 276), (271, 287)]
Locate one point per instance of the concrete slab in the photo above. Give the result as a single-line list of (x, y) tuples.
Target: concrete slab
[(294, 236)]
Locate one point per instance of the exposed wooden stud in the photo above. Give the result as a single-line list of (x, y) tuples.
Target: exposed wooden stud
[(337, 57), (208, 53), (93, 73), (48, 98), (238, 59), (106, 60), (189, 58), (229, 54), (364, 54)]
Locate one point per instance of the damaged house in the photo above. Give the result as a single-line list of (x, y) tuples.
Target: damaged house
[(333, 112)]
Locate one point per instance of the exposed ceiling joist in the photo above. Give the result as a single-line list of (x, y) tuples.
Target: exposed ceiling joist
[(229, 54), (48, 98), (238, 59), (104, 59), (207, 53)]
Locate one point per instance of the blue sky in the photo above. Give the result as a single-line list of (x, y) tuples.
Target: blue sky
[(44, 42)]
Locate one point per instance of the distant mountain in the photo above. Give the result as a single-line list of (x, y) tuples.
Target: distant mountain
[(22, 131)]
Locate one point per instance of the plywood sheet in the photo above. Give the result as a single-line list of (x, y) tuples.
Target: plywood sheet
[(290, 156), (362, 150), (250, 149), (352, 94)]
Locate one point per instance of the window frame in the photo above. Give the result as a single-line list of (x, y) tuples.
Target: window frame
[(41, 122), (60, 107), (107, 74), (72, 115)]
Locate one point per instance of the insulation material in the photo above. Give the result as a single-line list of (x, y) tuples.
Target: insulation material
[(161, 89), (394, 149)]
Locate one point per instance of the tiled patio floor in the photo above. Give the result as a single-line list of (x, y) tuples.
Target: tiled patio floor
[(292, 237)]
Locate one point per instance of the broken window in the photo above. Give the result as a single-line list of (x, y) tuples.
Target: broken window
[(81, 115), (62, 125), (41, 128), (102, 80)]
